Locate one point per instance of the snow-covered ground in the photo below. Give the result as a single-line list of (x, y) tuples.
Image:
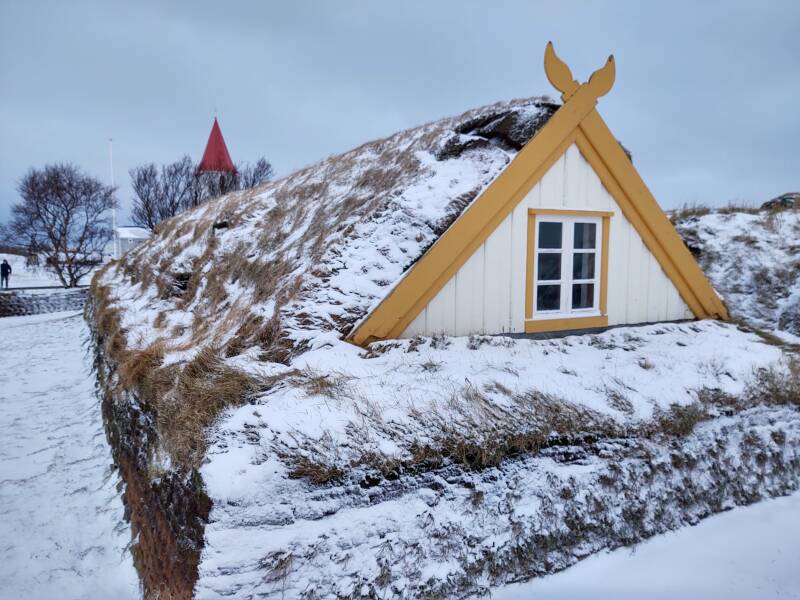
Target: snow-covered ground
[(62, 532), (23, 276), (426, 391), (745, 554), (379, 408)]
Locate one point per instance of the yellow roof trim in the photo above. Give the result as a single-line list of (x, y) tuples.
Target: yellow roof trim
[(577, 122), (617, 173)]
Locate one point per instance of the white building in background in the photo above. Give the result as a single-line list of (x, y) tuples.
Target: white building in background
[(126, 238)]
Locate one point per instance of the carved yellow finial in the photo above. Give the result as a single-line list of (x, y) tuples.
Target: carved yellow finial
[(560, 76), (558, 73), (602, 80)]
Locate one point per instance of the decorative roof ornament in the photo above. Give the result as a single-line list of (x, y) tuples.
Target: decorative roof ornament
[(216, 158), (560, 76)]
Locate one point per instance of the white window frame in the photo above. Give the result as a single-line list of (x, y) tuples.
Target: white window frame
[(566, 281)]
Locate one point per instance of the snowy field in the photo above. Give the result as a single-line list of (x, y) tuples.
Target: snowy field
[(747, 553), (22, 276), (62, 533)]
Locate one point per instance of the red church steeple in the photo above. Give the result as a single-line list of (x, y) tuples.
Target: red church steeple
[(216, 157)]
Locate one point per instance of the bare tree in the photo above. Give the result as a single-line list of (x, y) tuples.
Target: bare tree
[(161, 194), (146, 184), (252, 175), (63, 215), (178, 186), (215, 184)]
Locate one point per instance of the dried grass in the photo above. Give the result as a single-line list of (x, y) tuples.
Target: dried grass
[(478, 433), (204, 388), (193, 268), (689, 211)]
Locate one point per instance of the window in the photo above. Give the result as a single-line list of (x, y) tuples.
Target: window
[(566, 265)]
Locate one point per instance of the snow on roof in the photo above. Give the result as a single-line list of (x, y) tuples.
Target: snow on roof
[(134, 233), (312, 253)]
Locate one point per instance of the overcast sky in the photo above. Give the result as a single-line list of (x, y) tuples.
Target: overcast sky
[(707, 96)]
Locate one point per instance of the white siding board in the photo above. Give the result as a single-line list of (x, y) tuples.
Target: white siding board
[(658, 284), (618, 271), (533, 198), (637, 280), (552, 186), (576, 192), (487, 294), (519, 258), (599, 198), (497, 279), (417, 326), (469, 295), (442, 310)]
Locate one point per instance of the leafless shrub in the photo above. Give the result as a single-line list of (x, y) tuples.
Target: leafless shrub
[(415, 343), (314, 459), (476, 341), (302, 467), (678, 421), (714, 368), (476, 497), (770, 220), (440, 341), (776, 386), (618, 400), (335, 386), (502, 341), (496, 387), (687, 211), (715, 399), (737, 206), (277, 566), (602, 343), (430, 366), (747, 239)]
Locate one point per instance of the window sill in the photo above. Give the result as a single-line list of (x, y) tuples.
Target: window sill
[(565, 324)]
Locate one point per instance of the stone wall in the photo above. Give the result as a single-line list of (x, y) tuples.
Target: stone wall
[(168, 510), (21, 303)]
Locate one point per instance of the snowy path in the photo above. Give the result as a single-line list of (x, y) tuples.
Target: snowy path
[(747, 553), (62, 533)]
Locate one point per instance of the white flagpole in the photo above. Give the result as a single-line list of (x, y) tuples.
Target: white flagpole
[(113, 210)]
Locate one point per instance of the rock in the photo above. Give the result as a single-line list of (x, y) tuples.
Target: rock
[(789, 319), (511, 128), (790, 200)]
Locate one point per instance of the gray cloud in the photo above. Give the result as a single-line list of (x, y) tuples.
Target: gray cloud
[(706, 95)]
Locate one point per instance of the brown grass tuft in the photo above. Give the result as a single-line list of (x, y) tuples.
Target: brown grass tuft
[(678, 420), (204, 388)]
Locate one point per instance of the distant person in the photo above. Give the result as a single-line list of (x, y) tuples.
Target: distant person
[(5, 273)]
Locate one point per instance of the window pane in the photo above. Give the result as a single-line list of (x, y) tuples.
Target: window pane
[(549, 267), (548, 297), (549, 235), (582, 295), (583, 265), (585, 235)]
